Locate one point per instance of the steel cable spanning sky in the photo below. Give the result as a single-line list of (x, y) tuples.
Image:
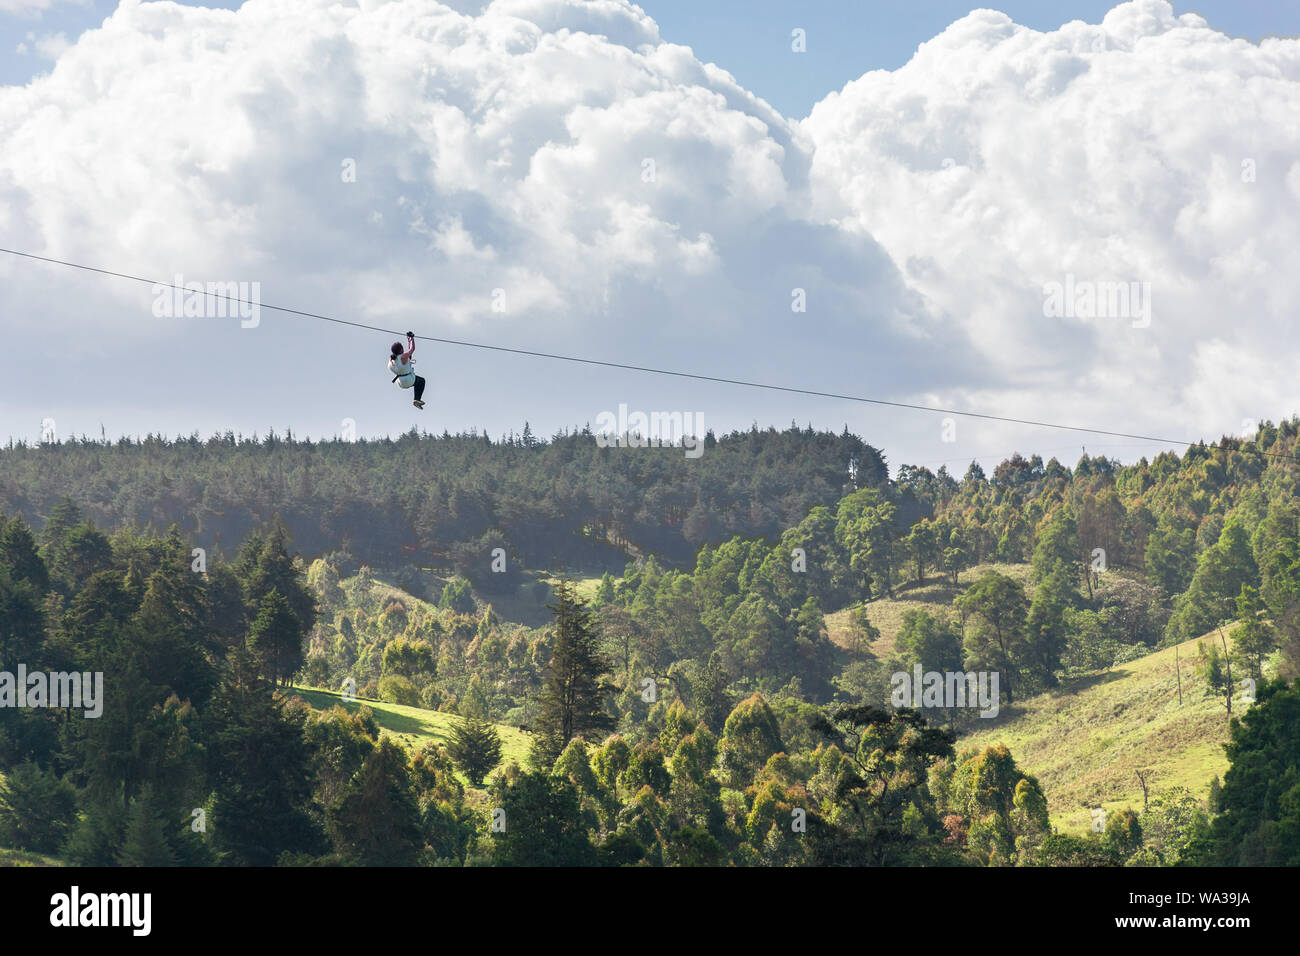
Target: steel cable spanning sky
[(632, 368)]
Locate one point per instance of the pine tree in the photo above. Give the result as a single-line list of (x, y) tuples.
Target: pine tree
[(258, 766), (37, 809), (376, 820), (1256, 821), (265, 565), (22, 620), (173, 628), (572, 701), (276, 638), (475, 748), (18, 554), (145, 843)]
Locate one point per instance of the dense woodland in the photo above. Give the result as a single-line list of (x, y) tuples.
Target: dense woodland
[(453, 497), (692, 711)]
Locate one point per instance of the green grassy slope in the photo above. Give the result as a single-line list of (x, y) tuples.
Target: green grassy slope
[(525, 605), (935, 596), (584, 583), (1085, 741), (414, 726), (19, 858)]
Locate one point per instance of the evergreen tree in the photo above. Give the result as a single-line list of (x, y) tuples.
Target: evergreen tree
[(19, 555), (572, 701), (1259, 803), (54, 540), (258, 766), (267, 566), (172, 628), (475, 747), (276, 638), (145, 843), (97, 835), (458, 596), (376, 820), (542, 819), (85, 551), (37, 809), (22, 620)]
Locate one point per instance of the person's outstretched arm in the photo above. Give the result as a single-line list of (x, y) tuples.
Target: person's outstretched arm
[(410, 341)]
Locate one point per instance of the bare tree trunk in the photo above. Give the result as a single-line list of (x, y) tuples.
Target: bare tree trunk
[(1179, 672), (1227, 663)]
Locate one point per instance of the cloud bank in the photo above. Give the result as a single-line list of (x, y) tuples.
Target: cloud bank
[(1148, 148), (552, 174)]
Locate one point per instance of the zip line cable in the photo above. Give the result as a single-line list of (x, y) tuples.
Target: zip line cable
[(635, 368)]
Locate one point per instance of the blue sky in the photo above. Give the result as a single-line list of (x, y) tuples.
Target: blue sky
[(846, 39), (923, 211), (752, 38)]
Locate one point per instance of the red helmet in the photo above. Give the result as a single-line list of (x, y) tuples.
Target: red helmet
[(397, 348)]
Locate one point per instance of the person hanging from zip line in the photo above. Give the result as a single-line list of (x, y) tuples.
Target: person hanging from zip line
[(402, 366)]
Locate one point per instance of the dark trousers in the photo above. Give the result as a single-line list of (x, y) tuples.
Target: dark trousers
[(419, 387)]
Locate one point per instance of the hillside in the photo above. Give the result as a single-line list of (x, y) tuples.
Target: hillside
[(414, 727), (1063, 581), (934, 596), (1085, 740), (19, 858)]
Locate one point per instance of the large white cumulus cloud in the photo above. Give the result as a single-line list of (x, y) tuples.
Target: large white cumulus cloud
[(1147, 148), (623, 195), (636, 204)]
